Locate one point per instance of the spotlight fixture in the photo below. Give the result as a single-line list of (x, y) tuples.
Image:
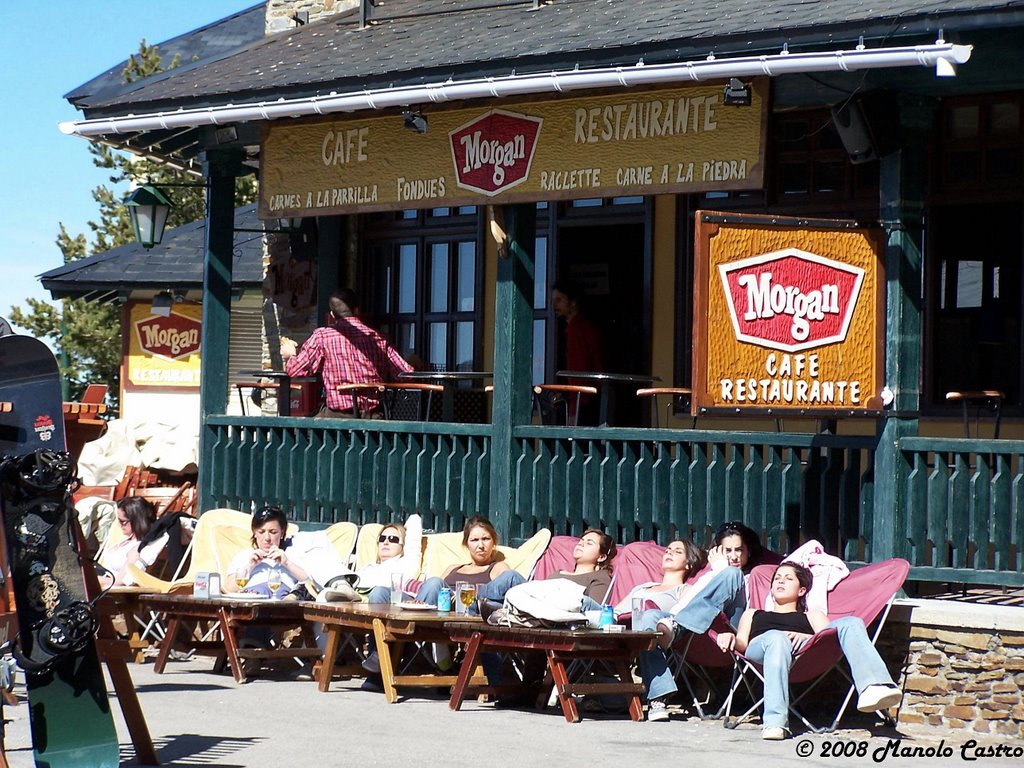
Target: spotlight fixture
[(162, 303), (414, 121), (736, 93)]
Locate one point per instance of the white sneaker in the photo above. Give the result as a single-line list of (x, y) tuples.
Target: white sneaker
[(668, 625), (876, 697), (656, 711), (774, 733)]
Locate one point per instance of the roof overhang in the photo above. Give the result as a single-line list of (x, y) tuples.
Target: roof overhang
[(711, 68)]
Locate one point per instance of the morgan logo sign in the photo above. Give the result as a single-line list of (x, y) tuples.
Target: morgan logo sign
[(172, 338), (493, 152), (791, 300)]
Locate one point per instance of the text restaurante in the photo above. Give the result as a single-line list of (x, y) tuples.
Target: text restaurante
[(645, 119)]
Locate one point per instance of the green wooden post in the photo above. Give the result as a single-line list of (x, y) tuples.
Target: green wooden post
[(513, 350), (221, 168), (902, 175), (330, 237)]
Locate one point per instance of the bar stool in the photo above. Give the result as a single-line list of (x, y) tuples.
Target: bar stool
[(677, 393), (548, 397), (990, 399)]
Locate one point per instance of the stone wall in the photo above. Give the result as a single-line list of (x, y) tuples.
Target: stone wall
[(963, 664), (280, 12)]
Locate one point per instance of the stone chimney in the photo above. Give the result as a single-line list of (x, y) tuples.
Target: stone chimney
[(283, 15)]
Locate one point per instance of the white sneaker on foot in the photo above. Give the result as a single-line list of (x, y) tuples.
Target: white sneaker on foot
[(876, 697), (669, 626), (774, 733), (656, 710)]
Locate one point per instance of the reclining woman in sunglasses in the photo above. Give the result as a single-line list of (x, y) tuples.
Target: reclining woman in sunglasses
[(135, 516), (737, 550), (393, 542), (772, 638), (250, 570)]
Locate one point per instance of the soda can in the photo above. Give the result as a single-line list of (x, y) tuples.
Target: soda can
[(444, 599)]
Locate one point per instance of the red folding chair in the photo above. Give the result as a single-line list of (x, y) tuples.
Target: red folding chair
[(867, 593)]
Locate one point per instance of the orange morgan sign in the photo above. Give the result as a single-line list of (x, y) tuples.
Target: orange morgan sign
[(788, 316)]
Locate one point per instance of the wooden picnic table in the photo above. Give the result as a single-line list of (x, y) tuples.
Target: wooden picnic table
[(392, 627), (232, 613), (560, 646), (127, 601)]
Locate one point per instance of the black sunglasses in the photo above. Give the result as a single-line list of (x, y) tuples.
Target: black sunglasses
[(735, 525), (266, 513), (391, 539)]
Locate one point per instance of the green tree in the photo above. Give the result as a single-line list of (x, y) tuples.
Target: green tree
[(87, 335)]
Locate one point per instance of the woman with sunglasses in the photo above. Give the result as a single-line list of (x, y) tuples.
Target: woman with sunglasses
[(737, 550), (393, 541), (134, 516), (773, 638), (251, 569)]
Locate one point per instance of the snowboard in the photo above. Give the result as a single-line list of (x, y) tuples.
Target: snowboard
[(69, 709)]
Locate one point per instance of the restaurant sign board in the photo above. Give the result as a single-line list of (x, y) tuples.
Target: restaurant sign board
[(163, 352), (623, 143), (788, 316)]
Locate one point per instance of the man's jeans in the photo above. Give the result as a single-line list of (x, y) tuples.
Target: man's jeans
[(725, 593)]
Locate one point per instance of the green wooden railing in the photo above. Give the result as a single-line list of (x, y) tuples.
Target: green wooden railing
[(365, 471), (654, 484), (962, 520), (959, 519)]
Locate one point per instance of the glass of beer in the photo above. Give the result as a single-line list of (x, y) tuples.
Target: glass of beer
[(241, 580), (467, 594), (274, 581)]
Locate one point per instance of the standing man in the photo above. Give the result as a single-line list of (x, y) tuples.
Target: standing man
[(583, 346), (347, 351)]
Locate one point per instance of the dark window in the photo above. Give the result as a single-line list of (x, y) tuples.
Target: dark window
[(425, 275)]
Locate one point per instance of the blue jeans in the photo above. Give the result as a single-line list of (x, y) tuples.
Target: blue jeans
[(774, 652), (725, 593)]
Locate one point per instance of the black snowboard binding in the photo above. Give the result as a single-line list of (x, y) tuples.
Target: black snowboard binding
[(37, 487)]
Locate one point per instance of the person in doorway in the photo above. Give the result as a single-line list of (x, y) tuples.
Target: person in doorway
[(347, 351), (583, 344)]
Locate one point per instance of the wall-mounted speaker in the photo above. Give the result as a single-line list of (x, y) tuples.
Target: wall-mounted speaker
[(868, 125)]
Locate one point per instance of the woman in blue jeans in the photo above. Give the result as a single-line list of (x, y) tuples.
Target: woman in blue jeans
[(773, 638), (723, 590)]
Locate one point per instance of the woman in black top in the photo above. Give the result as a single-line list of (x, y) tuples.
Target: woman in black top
[(772, 639)]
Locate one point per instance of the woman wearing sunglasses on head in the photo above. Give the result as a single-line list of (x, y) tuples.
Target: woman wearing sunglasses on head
[(135, 516), (737, 550), (250, 570), (398, 551)]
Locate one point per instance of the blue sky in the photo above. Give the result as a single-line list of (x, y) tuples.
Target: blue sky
[(47, 178)]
